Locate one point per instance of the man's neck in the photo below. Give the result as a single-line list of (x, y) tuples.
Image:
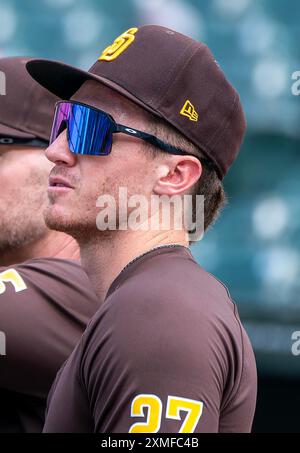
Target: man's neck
[(53, 245), (103, 258)]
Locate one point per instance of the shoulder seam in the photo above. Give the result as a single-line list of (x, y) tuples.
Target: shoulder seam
[(242, 339)]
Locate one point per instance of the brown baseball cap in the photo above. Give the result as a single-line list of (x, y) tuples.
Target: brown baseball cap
[(170, 75), (26, 109)]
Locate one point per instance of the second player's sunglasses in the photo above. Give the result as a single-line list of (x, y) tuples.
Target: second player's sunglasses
[(90, 130), (27, 143)]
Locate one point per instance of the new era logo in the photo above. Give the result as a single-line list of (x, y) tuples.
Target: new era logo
[(189, 110)]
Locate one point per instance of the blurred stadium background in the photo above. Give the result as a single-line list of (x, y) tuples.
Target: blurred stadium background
[(255, 246)]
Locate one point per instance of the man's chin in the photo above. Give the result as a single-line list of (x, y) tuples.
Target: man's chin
[(56, 219), (60, 219)]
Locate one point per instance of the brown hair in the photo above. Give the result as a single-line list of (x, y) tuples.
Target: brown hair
[(209, 184)]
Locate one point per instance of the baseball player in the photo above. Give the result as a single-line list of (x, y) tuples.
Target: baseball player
[(47, 300), (166, 351)]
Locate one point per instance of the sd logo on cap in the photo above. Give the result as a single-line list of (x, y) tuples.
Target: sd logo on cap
[(119, 45)]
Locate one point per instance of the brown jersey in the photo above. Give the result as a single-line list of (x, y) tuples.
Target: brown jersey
[(166, 352), (45, 305)]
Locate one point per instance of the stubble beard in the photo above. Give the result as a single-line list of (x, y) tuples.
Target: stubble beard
[(21, 216)]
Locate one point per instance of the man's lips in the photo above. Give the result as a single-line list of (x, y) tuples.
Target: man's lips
[(57, 182)]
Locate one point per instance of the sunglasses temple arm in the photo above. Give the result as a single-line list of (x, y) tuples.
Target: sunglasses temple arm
[(149, 139)]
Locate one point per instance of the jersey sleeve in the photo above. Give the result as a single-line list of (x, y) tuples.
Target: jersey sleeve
[(149, 368), (44, 308)]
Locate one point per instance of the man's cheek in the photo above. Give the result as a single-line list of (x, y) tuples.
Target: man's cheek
[(7, 194)]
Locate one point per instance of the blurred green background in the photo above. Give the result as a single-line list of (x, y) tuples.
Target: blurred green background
[(254, 248)]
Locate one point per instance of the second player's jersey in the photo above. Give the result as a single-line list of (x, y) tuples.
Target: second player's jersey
[(45, 305), (166, 352)]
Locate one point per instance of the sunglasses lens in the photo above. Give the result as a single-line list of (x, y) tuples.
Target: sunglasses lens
[(89, 131), (61, 117)]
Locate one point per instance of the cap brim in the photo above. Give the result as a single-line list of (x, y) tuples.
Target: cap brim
[(64, 80), (6, 131)]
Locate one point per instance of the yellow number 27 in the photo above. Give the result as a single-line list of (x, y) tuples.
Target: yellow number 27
[(175, 405)]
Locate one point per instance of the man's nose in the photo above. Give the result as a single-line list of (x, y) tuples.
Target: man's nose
[(59, 153)]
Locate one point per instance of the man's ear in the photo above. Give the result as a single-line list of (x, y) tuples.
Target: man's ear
[(181, 173)]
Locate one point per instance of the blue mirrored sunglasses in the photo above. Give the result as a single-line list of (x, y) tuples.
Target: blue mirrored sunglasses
[(90, 130)]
